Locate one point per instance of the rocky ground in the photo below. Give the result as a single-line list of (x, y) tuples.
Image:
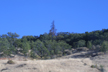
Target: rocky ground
[(76, 62), (101, 60)]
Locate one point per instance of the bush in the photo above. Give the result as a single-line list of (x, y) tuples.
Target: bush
[(81, 43), (102, 69), (89, 44), (10, 62), (32, 55), (104, 46), (93, 66)]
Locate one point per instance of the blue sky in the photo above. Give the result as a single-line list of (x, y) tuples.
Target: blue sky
[(34, 17)]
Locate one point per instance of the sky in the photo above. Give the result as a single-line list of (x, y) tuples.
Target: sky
[(34, 17)]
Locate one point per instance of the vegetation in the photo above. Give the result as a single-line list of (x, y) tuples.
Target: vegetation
[(104, 47), (101, 68), (10, 62), (52, 44), (93, 66)]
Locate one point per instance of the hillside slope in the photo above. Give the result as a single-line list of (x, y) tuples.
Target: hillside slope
[(54, 65), (71, 63)]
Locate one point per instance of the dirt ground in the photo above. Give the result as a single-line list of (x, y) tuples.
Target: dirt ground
[(61, 65), (101, 60), (64, 64)]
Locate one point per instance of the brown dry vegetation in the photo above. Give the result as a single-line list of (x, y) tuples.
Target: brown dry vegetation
[(63, 64), (55, 65)]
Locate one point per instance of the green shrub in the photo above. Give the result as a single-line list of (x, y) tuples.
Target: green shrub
[(32, 55), (104, 46), (10, 62), (93, 66), (102, 69)]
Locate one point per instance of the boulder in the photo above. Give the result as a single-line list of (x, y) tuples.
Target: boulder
[(100, 53), (82, 49), (68, 52)]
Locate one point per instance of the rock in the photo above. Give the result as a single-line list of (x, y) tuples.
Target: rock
[(93, 47), (54, 56), (4, 69), (94, 54), (100, 53), (12, 55), (68, 52), (22, 65), (82, 49)]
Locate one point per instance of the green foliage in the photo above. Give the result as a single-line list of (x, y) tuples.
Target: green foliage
[(104, 46), (12, 49), (10, 62), (75, 45), (97, 42), (52, 30), (32, 55), (89, 45), (106, 36), (11, 37), (45, 37), (25, 46), (52, 44), (30, 38), (102, 68), (81, 43), (4, 46), (18, 43), (93, 66), (63, 46), (40, 49)]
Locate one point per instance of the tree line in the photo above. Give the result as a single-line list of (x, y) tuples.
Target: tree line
[(48, 45)]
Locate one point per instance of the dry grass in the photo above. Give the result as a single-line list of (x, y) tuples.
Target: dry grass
[(55, 65)]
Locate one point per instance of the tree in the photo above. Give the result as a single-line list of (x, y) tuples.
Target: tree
[(86, 38), (49, 44), (45, 37), (40, 49), (89, 44), (52, 31), (81, 43), (104, 46), (53, 47), (30, 38), (32, 55), (63, 36), (25, 47), (63, 46), (18, 43), (12, 37), (97, 42), (4, 47)]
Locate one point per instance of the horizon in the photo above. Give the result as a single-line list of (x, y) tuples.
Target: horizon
[(34, 17)]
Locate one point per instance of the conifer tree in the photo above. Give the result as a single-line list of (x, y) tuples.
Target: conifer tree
[(4, 47), (104, 46), (25, 46), (89, 44), (52, 31)]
